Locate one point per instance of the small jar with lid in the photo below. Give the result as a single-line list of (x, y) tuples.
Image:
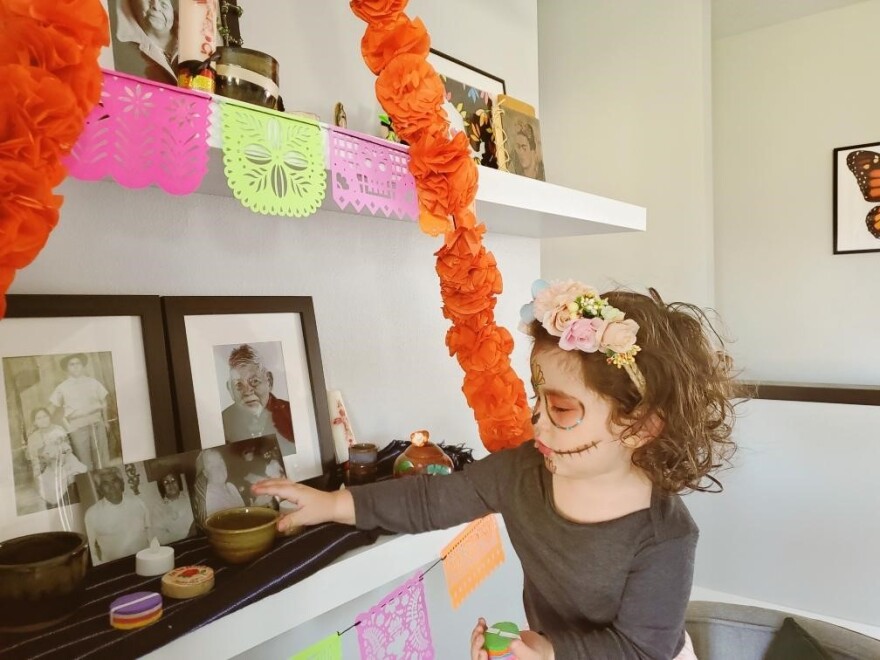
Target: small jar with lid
[(362, 463)]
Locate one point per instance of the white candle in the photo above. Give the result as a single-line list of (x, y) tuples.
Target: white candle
[(340, 424), (197, 29), (155, 560)]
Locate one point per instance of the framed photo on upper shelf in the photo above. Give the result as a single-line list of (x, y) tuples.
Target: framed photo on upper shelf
[(143, 39), (249, 367), (471, 93), (85, 385), (857, 198)]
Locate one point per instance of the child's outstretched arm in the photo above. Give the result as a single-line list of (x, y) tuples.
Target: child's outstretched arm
[(312, 506), (409, 504)]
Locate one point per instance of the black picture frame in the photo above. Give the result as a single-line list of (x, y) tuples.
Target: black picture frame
[(120, 343), (190, 392), (856, 201), (486, 85), (149, 310)]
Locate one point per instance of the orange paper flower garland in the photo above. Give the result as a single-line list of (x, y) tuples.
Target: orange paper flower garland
[(411, 92), (49, 68)]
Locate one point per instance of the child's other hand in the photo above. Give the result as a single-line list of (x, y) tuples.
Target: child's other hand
[(532, 646), (312, 506), (477, 640)]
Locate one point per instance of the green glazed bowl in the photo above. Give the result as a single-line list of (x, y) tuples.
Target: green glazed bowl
[(41, 579), (242, 534)]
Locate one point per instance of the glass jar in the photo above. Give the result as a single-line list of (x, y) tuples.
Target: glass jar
[(362, 463)]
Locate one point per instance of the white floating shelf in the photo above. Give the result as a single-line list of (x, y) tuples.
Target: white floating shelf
[(508, 204), (353, 574)]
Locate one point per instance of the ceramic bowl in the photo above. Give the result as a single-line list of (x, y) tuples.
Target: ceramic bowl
[(41, 579), (242, 534), (248, 75)]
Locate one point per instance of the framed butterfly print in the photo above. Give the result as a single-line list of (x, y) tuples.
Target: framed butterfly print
[(857, 198)]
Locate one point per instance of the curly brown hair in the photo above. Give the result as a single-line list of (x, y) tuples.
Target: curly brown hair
[(690, 387)]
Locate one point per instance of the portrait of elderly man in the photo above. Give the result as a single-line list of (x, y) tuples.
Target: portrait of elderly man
[(118, 523), (255, 411), (145, 38)]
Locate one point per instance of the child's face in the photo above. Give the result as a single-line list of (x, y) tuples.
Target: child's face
[(573, 429)]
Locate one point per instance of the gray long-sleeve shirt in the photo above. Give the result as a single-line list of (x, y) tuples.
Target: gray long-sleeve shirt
[(615, 589)]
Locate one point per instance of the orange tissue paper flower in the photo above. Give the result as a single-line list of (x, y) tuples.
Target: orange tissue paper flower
[(86, 22), (377, 11), (433, 224), (40, 106), (479, 348), (445, 175), (411, 92), (34, 44), (383, 42)]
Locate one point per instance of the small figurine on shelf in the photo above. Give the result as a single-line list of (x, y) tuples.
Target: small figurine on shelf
[(339, 117), (422, 457)]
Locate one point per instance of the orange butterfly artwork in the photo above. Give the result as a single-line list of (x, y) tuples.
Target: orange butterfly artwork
[(857, 199)]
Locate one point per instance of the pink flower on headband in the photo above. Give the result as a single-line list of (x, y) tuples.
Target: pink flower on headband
[(583, 335)]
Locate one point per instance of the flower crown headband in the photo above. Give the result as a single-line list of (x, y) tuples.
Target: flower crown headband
[(585, 321)]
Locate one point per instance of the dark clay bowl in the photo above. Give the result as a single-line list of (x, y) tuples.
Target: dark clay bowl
[(242, 534), (41, 579)]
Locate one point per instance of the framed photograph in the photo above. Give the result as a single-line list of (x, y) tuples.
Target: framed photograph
[(143, 38), (126, 506), (224, 475), (249, 367), (85, 386), (857, 198), (471, 93), (518, 138), (467, 74)]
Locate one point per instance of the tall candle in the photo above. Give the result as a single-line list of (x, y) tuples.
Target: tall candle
[(340, 424), (197, 29)]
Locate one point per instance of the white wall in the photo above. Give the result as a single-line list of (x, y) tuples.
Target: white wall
[(785, 97), (375, 290), (625, 90), (797, 525)]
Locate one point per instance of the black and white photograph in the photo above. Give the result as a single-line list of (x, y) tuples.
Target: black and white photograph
[(253, 393), (63, 421), (171, 515), (144, 38), (126, 506), (84, 386), (224, 475), (247, 367)]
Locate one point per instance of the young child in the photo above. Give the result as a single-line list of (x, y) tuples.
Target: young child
[(632, 406)]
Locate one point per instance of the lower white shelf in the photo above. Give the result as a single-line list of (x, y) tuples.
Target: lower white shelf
[(507, 204), (355, 573)]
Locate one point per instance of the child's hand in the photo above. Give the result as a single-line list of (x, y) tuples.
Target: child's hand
[(532, 646), (477, 640), (312, 506)]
